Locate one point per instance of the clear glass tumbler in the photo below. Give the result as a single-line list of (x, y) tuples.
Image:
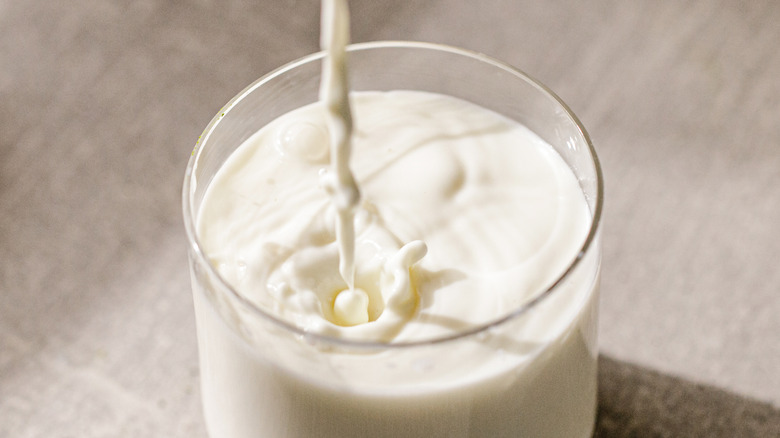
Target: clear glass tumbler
[(264, 378)]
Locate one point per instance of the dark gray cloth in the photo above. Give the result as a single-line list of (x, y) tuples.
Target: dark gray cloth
[(101, 103), (637, 402)]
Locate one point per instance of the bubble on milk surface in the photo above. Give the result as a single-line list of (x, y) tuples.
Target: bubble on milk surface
[(304, 140)]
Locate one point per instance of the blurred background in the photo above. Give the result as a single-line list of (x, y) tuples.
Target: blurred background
[(102, 102)]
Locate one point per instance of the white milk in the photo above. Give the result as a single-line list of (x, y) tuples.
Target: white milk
[(340, 183), (464, 217)]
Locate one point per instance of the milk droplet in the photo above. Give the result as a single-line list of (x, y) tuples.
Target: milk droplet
[(351, 307), (305, 141)]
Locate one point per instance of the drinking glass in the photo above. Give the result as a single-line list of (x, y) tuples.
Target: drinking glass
[(530, 372)]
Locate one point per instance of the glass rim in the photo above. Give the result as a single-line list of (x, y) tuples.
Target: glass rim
[(200, 257)]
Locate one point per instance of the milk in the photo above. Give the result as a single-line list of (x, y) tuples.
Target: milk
[(399, 274), (351, 306), (465, 217)]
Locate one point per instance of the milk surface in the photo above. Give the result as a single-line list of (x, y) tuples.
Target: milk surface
[(464, 217)]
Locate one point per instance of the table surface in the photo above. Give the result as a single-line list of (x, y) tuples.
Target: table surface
[(101, 104)]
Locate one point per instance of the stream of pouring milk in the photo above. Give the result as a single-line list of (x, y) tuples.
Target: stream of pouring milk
[(334, 95), (462, 216), (350, 306)]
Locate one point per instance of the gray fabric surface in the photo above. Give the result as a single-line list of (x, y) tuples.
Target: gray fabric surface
[(637, 402), (101, 103)]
